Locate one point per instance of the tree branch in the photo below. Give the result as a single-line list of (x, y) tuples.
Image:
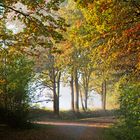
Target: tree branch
[(49, 100), (17, 11)]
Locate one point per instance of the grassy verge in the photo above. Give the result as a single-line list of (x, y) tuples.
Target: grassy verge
[(37, 114)]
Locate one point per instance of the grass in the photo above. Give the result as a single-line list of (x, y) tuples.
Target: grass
[(107, 134), (37, 114)]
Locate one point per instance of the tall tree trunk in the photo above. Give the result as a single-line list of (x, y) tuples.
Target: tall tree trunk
[(55, 75), (86, 77), (76, 85), (58, 92), (72, 92), (82, 101), (86, 98), (104, 95), (55, 96)]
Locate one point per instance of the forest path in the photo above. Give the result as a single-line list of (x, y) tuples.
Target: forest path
[(84, 129)]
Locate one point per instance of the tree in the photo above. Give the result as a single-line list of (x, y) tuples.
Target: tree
[(49, 66), (117, 40), (39, 19), (16, 73), (70, 58), (41, 28)]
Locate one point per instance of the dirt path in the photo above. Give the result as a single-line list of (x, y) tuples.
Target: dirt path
[(86, 129)]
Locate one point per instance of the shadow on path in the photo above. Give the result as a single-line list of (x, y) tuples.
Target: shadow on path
[(87, 129)]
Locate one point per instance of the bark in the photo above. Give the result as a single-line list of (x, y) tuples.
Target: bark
[(55, 94), (86, 77), (72, 93), (86, 89), (104, 95), (55, 75), (54, 97), (86, 98), (58, 92), (76, 85), (82, 101)]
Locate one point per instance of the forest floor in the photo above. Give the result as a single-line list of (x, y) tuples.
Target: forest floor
[(50, 129)]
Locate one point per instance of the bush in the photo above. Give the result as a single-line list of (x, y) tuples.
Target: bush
[(129, 126), (14, 97), (130, 105), (123, 132), (16, 119)]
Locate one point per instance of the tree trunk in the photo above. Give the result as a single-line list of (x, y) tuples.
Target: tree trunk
[(76, 85), (86, 77), (104, 95), (54, 99), (86, 98), (82, 101), (72, 93), (55, 75), (55, 94), (58, 92)]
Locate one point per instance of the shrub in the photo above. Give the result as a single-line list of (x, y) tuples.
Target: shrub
[(130, 105), (129, 126), (14, 97)]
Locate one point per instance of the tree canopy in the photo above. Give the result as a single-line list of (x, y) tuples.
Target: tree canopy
[(91, 46)]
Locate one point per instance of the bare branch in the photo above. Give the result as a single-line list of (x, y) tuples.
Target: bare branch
[(17, 11), (48, 100)]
